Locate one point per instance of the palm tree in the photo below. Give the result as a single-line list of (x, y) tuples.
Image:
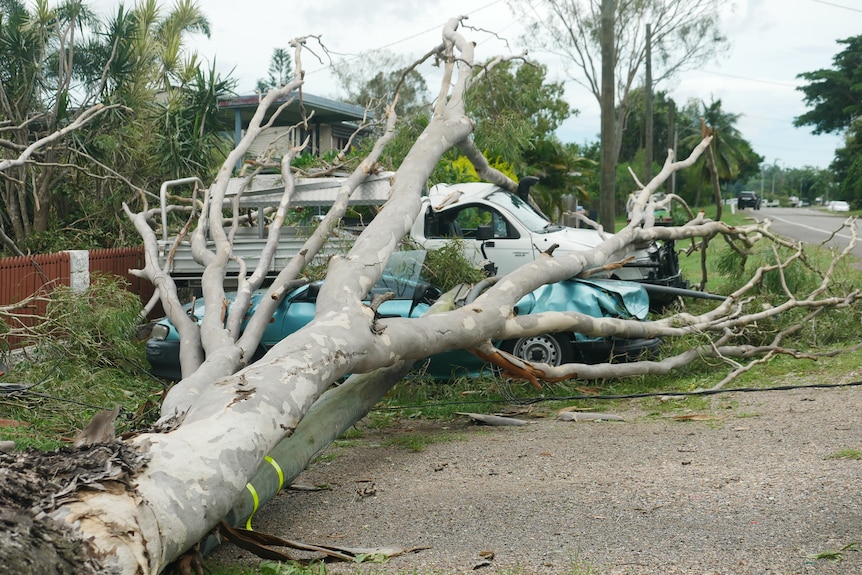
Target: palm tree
[(55, 63), (726, 150), (37, 58)]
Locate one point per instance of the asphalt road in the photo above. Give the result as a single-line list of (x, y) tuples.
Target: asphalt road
[(811, 226)]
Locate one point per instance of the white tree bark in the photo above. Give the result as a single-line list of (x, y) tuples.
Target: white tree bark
[(217, 431), (217, 426)]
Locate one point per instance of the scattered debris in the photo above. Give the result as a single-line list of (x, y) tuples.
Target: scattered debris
[(99, 430), (493, 419), (308, 487), (699, 417), (12, 423), (365, 488), (6, 446), (588, 416), (264, 546)]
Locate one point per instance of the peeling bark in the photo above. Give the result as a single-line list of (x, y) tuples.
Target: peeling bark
[(134, 506)]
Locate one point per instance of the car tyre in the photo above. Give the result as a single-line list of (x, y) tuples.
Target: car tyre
[(550, 348)]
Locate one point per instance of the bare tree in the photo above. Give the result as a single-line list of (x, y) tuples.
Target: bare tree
[(684, 34), (136, 505)]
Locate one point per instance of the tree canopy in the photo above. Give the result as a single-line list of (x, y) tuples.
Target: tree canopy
[(684, 33), (834, 94), (372, 81), (279, 72), (157, 108)]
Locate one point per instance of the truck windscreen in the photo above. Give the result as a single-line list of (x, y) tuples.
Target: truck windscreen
[(520, 210)]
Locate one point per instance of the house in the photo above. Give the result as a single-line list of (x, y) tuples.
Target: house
[(330, 127)]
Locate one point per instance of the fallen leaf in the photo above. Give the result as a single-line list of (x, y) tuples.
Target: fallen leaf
[(699, 417), (11, 423)]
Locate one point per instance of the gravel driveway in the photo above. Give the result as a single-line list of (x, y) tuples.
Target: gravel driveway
[(757, 489)]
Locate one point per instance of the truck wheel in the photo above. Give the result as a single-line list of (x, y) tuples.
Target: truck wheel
[(550, 348)]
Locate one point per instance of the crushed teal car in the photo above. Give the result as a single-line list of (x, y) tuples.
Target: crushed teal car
[(413, 297)]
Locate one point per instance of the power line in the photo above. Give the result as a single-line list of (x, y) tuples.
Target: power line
[(837, 5), (703, 392), (747, 79), (425, 31)]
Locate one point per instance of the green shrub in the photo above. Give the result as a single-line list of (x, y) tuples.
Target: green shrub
[(447, 266), (84, 358)]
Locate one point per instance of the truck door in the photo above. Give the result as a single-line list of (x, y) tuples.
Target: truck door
[(509, 248), (506, 247)]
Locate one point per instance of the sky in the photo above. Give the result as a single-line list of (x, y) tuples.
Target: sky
[(771, 42)]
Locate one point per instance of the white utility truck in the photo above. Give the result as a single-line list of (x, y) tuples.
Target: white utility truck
[(496, 226)]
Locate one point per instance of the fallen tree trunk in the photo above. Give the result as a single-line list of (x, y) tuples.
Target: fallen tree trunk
[(147, 499)]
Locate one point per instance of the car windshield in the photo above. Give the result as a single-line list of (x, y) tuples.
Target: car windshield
[(401, 274), (521, 210)]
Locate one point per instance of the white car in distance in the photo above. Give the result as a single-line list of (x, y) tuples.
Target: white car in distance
[(838, 206)]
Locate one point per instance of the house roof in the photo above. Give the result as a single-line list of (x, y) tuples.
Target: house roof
[(326, 111)]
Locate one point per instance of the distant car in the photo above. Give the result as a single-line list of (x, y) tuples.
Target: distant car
[(747, 200), (598, 298), (838, 206), (663, 217)]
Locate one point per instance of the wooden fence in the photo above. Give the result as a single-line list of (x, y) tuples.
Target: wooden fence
[(118, 262), (26, 276)]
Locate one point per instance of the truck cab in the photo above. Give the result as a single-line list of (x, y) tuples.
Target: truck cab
[(506, 230)]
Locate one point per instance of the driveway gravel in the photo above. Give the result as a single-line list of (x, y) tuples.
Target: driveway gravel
[(754, 483)]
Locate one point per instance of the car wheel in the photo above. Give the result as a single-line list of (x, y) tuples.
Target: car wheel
[(550, 348)]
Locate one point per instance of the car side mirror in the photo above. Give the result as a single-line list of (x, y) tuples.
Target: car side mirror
[(484, 233)]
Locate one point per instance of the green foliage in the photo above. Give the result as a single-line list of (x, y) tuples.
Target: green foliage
[(280, 70), (835, 94), (191, 141), (833, 98), (98, 325), (447, 266), (514, 108), (854, 454), (847, 168), (373, 80), (634, 132), (562, 172), (733, 155), (461, 170), (800, 279), (87, 359), (165, 123), (406, 132), (835, 555)]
